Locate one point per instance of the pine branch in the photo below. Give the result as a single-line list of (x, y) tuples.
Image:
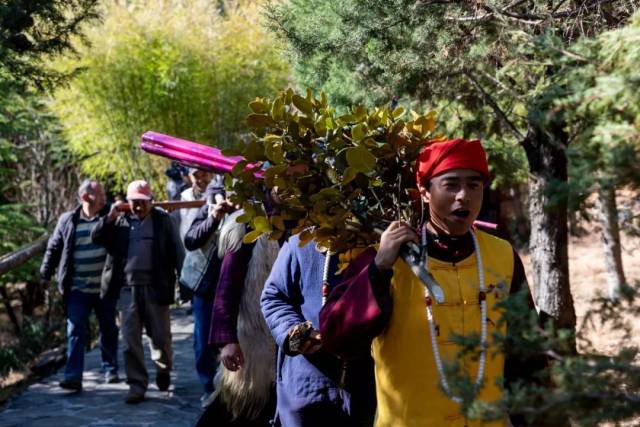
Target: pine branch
[(494, 105)]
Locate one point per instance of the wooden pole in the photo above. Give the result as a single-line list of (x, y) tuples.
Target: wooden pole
[(15, 259), (169, 205)]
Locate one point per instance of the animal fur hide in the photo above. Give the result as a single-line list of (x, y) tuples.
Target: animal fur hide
[(246, 391)]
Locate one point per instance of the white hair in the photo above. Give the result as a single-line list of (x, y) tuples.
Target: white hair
[(86, 187)]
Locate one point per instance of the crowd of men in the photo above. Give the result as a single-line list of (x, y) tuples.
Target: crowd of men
[(279, 334)]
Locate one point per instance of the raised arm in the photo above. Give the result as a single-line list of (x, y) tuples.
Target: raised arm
[(201, 230)]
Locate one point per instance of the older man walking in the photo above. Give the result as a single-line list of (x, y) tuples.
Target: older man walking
[(144, 257), (80, 264)]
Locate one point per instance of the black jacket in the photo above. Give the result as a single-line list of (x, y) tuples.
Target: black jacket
[(201, 230), (167, 254), (60, 249)]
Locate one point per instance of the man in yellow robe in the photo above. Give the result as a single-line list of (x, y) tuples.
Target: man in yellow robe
[(410, 330)]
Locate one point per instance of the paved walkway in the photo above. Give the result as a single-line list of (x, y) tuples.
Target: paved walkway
[(100, 404)]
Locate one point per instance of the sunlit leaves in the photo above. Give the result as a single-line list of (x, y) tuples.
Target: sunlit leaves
[(331, 175)]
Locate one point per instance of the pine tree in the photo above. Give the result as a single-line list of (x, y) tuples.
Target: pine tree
[(33, 31), (489, 56)]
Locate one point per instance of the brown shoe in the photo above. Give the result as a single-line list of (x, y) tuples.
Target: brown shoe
[(134, 398), (163, 381)]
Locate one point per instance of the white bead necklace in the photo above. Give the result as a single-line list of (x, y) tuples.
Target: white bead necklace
[(325, 277), (483, 321)]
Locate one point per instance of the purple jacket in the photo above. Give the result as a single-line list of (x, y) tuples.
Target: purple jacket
[(226, 304)]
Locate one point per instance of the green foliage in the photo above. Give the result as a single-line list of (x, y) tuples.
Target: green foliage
[(173, 67), (554, 382), (603, 110), (34, 166), (16, 127), (32, 342), (9, 360), (33, 30), (344, 174), (489, 59)]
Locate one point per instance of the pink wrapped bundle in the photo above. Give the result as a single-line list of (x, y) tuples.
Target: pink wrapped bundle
[(485, 224), (192, 154)]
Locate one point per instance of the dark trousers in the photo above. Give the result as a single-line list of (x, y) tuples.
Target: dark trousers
[(206, 355), (138, 310), (79, 307)]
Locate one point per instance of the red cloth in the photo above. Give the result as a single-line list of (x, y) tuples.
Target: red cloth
[(440, 157)]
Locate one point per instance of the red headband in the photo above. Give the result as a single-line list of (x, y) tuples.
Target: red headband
[(440, 157)]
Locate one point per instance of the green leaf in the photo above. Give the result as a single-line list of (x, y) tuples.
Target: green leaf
[(233, 151), (259, 120), (274, 152), (258, 106), (277, 109), (358, 132), (349, 175), (323, 100), (303, 105), (245, 218), (360, 112), (288, 96), (254, 152), (346, 119), (261, 223), (252, 236), (320, 125), (397, 127), (398, 112), (361, 159), (239, 167)]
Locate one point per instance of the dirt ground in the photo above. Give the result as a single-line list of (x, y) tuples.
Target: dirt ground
[(588, 280)]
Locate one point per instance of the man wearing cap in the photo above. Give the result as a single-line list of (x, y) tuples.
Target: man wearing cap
[(144, 256), (383, 304)]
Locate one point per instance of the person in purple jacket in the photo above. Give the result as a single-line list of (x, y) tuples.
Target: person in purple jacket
[(245, 382), (314, 388)]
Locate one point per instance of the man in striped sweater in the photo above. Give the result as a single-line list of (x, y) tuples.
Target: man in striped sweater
[(80, 263)]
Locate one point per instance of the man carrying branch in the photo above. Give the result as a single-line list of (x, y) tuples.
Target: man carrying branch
[(410, 328)]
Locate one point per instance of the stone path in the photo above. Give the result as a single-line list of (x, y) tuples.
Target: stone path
[(100, 404)]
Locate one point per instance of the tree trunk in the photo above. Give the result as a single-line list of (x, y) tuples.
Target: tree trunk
[(608, 213), (548, 241)]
